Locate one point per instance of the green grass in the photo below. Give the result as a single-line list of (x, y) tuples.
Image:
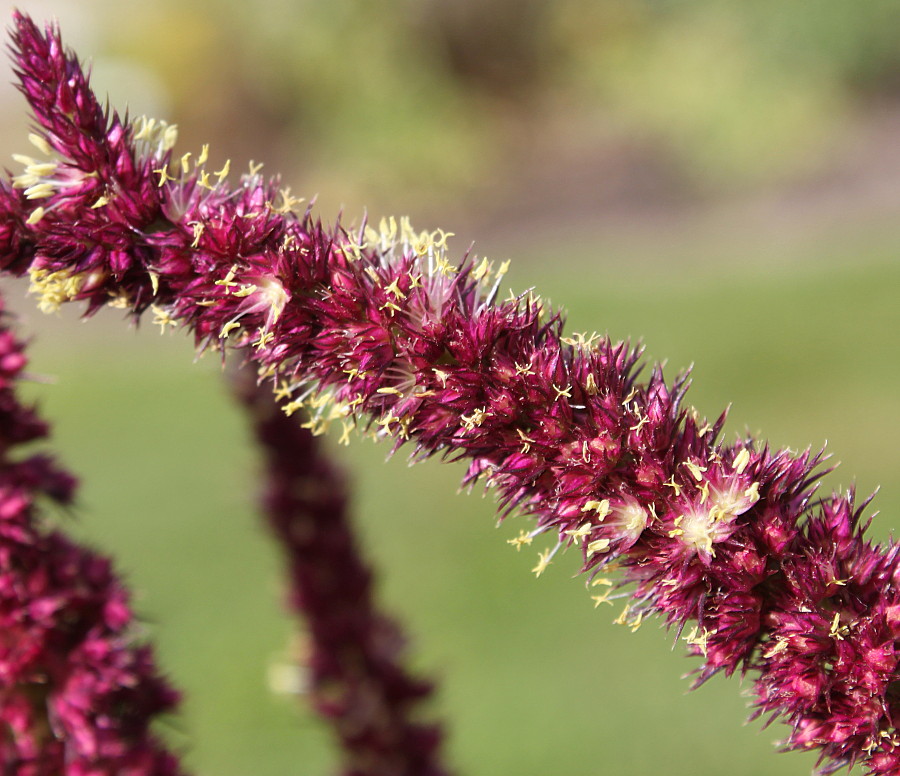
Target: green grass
[(535, 681)]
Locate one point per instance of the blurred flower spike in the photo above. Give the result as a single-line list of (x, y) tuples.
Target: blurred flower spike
[(78, 691), (378, 329)]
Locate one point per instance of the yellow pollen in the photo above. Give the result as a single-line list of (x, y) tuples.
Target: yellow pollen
[(522, 539)]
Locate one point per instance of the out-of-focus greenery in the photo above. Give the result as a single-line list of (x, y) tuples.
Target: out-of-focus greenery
[(742, 92), (534, 680), (428, 101)]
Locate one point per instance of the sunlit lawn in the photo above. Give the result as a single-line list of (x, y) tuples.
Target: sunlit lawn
[(535, 681)]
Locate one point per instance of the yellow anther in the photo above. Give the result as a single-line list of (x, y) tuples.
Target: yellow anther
[(282, 391), (590, 385), (245, 290), (119, 300), (265, 337), (704, 492), (442, 376), (415, 280), (154, 282), (40, 191), (394, 289), (581, 340), (386, 421), (223, 173), (602, 508), (741, 460), (695, 470), (526, 440), (642, 420), (779, 646), (197, 227), (346, 428), (40, 143), (204, 155), (162, 318), (579, 533), (228, 328), (752, 492), (255, 167), (524, 369), (481, 270), (598, 545), (101, 201), (475, 419), (673, 485), (439, 238), (522, 539), (186, 163), (444, 267), (291, 407), (36, 215), (163, 173), (543, 561), (562, 392), (228, 280)]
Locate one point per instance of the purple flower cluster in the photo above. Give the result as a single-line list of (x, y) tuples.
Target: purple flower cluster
[(356, 678), (375, 328), (77, 693)]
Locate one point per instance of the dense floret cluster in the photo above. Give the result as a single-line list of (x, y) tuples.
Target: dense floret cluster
[(78, 693), (375, 328)]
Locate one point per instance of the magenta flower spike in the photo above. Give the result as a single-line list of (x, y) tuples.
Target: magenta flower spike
[(78, 691), (376, 328), (357, 682)]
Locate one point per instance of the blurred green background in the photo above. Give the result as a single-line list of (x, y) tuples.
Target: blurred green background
[(719, 180)]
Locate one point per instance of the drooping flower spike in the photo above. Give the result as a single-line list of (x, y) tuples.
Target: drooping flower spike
[(356, 680), (78, 691), (378, 329)]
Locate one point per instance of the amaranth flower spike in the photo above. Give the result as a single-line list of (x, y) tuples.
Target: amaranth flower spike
[(378, 328), (78, 692)]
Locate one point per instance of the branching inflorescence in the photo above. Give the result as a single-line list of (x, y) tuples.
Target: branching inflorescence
[(377, 329)]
